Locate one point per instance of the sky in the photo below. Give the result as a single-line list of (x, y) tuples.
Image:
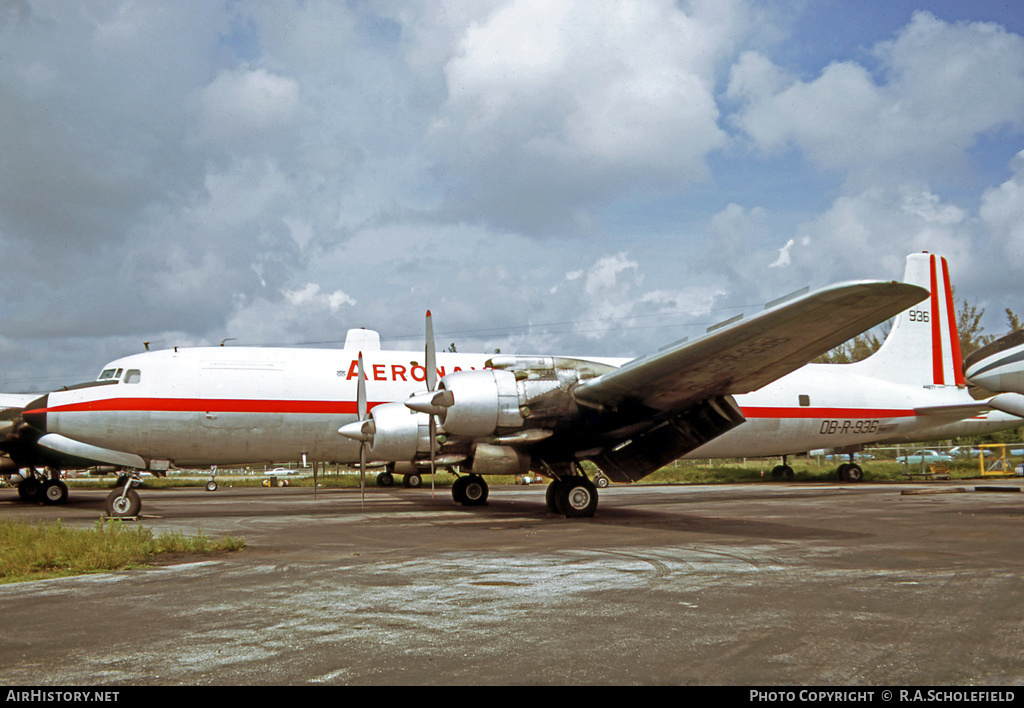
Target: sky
[(592, 177)]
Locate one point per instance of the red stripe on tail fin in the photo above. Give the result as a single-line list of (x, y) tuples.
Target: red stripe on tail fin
[(954, 336), (937, 376)]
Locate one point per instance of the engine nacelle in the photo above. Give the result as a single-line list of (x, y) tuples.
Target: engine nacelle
[(484, 401), (399, 433), (498, 459)]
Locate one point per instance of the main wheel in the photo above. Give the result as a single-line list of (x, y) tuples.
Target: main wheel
[(30, 489), (475, 491), (551, 495), (852, 473), (55, 492), (384, 479), (123, 506), (576, 497), (459, 489), (411, 481)]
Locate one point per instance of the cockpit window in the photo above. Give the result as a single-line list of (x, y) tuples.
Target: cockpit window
[(132, 376), (110, 375)]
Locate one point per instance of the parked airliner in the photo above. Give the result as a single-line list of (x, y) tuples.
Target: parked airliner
[(998, 367), (740, 390)]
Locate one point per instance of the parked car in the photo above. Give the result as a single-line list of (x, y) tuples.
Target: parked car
[(927, 455), (970, 452)]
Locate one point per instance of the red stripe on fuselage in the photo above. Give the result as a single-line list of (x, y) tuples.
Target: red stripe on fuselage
[(207, 405), (243, 405), (789, 412)]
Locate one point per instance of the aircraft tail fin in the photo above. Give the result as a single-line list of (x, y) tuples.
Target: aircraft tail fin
[(923, 346)]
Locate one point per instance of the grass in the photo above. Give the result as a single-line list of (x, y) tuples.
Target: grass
[(50, 550), (731, 471), (679, 472)]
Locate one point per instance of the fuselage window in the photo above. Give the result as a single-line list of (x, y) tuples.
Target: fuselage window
[(133, 376)]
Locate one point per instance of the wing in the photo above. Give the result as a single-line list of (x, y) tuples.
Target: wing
[(749, 354), (549, 413)]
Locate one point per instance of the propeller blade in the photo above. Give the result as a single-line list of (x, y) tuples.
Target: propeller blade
[(362, 475), (432, 428), (430, 355), (361, 391), (361, 411)]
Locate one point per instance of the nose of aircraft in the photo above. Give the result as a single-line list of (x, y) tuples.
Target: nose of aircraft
[(35, 413)]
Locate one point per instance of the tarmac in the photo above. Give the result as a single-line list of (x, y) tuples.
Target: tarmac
[(865, 584)]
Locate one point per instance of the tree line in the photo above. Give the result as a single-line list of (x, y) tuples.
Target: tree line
[(968, 324)]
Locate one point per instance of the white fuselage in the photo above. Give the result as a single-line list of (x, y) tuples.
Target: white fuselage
[(236, 405)]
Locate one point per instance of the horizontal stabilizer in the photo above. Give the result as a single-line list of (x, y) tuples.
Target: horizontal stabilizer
[(959, 410), (1012, 403)]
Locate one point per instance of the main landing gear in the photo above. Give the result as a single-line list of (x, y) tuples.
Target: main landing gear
[(783, 471), (572, 496), (38, 487), (850, 472), (409, 481), (470, 490)]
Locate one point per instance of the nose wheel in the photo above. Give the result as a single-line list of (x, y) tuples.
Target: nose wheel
[(124, 502)]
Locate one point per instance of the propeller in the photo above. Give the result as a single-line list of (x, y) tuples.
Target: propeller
[(361, 430), (361, 412), (431, 363)]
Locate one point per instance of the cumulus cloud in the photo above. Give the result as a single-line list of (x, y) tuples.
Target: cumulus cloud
[(540, 175), (933, 96), (240, 106), (557, 105), (1002, 210)]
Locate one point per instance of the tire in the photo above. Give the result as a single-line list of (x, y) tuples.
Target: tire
[(853, 473), (576, 498), (30, 489), (123, 507), (459, 490), (601, 481), (474, 491), (211, 486), (385, 479), (412, 481), (551, 494), (54, 492)]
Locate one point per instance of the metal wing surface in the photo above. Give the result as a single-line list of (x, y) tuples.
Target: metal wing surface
[(751, 353)]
